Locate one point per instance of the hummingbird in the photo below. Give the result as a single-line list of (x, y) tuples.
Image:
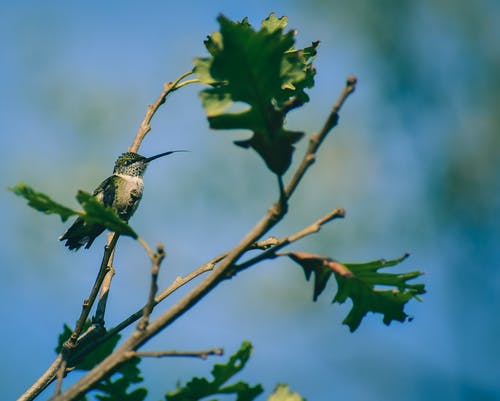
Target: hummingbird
[(122, 191)]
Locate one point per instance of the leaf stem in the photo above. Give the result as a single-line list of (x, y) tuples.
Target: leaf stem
[(148, 249), (187, 82)]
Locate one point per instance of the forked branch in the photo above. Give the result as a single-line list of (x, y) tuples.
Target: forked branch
[(226, 266)]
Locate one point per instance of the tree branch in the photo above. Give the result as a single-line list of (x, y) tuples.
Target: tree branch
[(105, 286), (317, 139), (60, 376), (176, 284), (43, 381), (156, 260), (270, 253), (145, 126), (58, 367), (274, 214), (87, 304), (316, 226), (161, 354)]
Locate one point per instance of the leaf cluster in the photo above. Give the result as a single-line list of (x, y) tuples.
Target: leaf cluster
[(199, 388), (361, 283), (264, 71), (93, 212), (116, 386)]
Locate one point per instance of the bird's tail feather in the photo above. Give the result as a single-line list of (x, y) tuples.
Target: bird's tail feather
[(80, 234)]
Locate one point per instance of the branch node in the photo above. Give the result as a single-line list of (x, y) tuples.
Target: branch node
[(311, 158), (351, 82), (265, 244)]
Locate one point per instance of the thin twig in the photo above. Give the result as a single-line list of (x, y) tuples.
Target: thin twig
[(103, 297), (58, 367), (60, 377), (283, 199), (162, 354), (176, 284), (145, 126), (70, 344), (281, 243), (316, 226), (87, 304), (148, 249), (105, 286), (187, 82), (317, 139), (43, 381), (155, 270)]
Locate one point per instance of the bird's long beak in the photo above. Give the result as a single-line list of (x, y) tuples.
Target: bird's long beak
[(148, 159)]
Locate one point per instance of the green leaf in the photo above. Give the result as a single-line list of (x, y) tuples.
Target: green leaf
[(94, 211), (361, 282), (97, 213), (366, 297), (273, 23), (64, 336), (262, 70), (110, 389), (283, 393), (42, 202), (199, 388)]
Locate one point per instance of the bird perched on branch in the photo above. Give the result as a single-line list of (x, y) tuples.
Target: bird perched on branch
[(122, 191)]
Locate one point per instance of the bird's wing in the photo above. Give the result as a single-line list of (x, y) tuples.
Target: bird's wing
[(105, 192)]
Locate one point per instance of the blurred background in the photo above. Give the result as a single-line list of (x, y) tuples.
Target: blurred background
[(414, 161)]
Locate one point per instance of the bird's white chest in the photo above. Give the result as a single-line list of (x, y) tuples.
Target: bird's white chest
[(129, 192)]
